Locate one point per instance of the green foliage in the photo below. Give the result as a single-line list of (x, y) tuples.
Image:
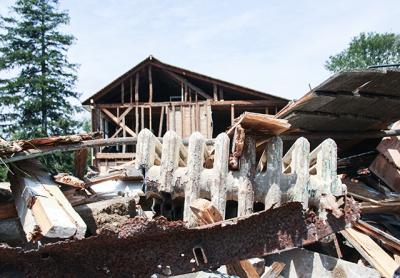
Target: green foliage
[(3, 173), (37, 84), (37, 95), (367, 49)]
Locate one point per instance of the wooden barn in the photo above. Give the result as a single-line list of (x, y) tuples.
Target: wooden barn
[(160, 97)]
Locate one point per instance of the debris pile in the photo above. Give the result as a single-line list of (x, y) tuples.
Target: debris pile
[(313, 190)]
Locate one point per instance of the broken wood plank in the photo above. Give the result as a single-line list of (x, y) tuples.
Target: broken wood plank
[(385, 238), (69, 147), (261, 123), (205, 213), (304, 263), (41, 206), (66, 179), (371, 251)]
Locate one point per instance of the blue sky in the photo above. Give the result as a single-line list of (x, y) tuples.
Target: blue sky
[(278, 47)]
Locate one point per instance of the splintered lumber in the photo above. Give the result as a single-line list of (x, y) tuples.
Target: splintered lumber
[(371, 252), (261, 123), (205, 213), (42, 207), (66, 179), (274, 270), (31, 153), (374, 232), (303, 263)]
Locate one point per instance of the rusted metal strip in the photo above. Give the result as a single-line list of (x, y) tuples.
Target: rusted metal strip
[(143, 247)]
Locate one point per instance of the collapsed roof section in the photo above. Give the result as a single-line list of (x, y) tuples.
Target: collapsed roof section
[(348, 101)]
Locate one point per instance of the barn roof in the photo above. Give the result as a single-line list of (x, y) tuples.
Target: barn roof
[(184, 73)]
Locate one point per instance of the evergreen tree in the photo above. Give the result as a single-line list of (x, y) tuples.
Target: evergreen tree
[(367, 49), (37, 92)]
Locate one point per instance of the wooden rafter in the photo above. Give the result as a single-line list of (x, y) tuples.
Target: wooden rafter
[(180, 80)]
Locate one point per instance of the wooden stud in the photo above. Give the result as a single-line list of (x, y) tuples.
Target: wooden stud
[(142, 116), (161, 121), (122, 92), (232, 114), (130, 90), (150, 85), (137, 88), (150, 118), (221, 94), (215, 92)]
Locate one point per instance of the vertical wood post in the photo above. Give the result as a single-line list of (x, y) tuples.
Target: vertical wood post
[(160, 128), (232, 113), (122, 92), (142, 116), (136, 103), (130, 90), (215, 92), (150, 85)]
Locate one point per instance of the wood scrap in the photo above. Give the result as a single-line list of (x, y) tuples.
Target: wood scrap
[(237, 147), (41, 206), (205, 213), (262, 123), (274, 270), (376, 233), (371, 252), (66, 179)]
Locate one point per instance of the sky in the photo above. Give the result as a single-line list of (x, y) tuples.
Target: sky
[(278, 47)]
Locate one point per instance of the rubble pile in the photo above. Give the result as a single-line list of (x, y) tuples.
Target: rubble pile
[(313, 191)]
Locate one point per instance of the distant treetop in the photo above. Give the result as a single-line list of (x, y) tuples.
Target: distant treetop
[(365, 50)]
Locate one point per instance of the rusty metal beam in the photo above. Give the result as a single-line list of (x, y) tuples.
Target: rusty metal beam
[(143, 247)]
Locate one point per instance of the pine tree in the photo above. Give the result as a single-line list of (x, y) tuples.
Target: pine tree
[(36, 97)]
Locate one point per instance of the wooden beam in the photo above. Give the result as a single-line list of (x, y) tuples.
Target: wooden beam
[(371, 252), (180, 79), (248, 103), (42, 207), (160, 127), (150, 118), (221, 94), (137, 88), (69, 147), (150, 84), (118, 122), (232, 114), (215, 92), (142, 117), (115, 155), (122, 92), (130, 90)]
